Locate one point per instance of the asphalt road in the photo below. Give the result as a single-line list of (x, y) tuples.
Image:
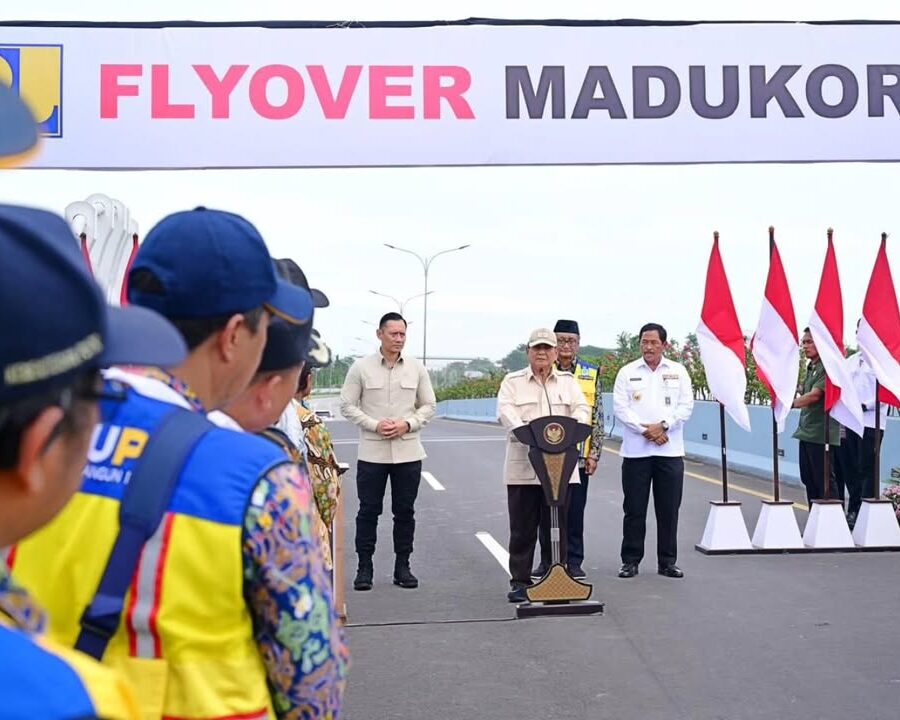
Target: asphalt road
[(775, 636)]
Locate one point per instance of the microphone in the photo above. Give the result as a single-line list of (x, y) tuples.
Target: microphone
[(545, 373)]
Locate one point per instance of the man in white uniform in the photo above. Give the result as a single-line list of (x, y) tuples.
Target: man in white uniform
[(652, 398)]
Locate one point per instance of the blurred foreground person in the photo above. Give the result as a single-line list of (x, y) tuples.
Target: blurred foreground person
[(56, 332)]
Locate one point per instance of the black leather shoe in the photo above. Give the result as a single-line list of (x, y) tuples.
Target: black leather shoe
[(539, 572), (628, 570), (517, 595), (576, 572), (672, 571), (403, 576), (364, 574)]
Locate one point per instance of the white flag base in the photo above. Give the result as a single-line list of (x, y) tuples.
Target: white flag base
[(725, 530), (776, 528), (827, 527), (876, 525)]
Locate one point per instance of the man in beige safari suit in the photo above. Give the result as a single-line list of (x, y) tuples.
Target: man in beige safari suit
[(389, 396), (538, 390)]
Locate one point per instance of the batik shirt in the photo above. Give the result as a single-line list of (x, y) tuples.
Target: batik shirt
[(323, 471)]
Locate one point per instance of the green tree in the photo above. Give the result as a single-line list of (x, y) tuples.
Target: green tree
[(516, 359)]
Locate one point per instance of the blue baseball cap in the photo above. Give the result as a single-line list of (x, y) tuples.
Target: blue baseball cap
[(286, 346), (54, 320), (211, 263), (18, 128)]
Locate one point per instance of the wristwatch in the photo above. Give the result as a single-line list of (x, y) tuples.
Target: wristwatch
[(665, 425)]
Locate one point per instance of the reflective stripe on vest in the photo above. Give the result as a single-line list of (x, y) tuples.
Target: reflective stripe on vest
[(186, 638), (140, 617)]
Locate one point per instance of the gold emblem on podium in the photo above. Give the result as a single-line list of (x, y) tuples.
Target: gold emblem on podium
[(554, 433)]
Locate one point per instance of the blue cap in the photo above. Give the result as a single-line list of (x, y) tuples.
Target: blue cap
[(54, 321), (18, 128), (213, 263), (286, 346)]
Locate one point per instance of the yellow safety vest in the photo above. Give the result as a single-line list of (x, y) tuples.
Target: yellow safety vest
[(186, 638), (586, 375)]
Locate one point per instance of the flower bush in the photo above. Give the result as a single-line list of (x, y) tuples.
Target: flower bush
[(892, 493)]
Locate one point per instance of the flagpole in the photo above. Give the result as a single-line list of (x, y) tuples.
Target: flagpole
[(775, 481), (876, 487), (827, 478), (724, 461), (876, 484), (775, 455)]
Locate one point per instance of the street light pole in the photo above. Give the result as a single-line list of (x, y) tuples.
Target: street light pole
[(401, 305), (426, 265)]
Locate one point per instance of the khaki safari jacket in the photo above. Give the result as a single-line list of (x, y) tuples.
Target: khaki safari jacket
[(374, 391), (522, 399)]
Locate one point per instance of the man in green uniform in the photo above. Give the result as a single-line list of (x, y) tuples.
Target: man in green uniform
[(811, 430)]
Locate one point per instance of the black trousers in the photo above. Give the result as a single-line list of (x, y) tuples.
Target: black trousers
[(844, 457), (527, 509), (371, 482), (666, 476), (867, 450), (855, 467), (812, 471), (577, 499)]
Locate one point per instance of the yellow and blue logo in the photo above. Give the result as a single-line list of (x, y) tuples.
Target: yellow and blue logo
[(35, 73)]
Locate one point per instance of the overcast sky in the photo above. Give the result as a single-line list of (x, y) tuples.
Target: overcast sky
[(612, 247)]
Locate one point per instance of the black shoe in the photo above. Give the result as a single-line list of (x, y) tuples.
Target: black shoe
[(517, 595), (851, 520), (628, 570), (576, 572), (403, 575), (672, 571), (539, 572), (364, 574)]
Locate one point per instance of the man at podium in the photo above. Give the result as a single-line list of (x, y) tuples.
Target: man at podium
[(524, 395)]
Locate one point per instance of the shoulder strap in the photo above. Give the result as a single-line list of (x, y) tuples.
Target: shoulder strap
[(143, 506)]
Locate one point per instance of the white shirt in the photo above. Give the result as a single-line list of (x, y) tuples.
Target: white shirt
[(289, 424), (157, 390), (224, 420), (147, 386), (642, 396), (864, 381)]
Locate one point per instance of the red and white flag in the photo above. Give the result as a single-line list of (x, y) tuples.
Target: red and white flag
[(722, 349), (774, 344), (827, 329), (879, 328)]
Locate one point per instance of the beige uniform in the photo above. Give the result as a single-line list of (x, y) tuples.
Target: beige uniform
[(373, 391), (521, 399)]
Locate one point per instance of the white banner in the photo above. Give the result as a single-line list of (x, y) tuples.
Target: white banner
[(201, 97)]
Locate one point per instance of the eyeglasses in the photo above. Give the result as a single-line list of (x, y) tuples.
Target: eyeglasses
[(567, 341)]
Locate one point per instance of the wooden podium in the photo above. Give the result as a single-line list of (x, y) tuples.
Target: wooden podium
[(552, 449)]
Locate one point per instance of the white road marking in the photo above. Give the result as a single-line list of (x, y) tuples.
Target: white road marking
[(432, 480), (495, 549)]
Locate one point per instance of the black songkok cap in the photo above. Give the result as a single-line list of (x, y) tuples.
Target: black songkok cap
[(566, 326)]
